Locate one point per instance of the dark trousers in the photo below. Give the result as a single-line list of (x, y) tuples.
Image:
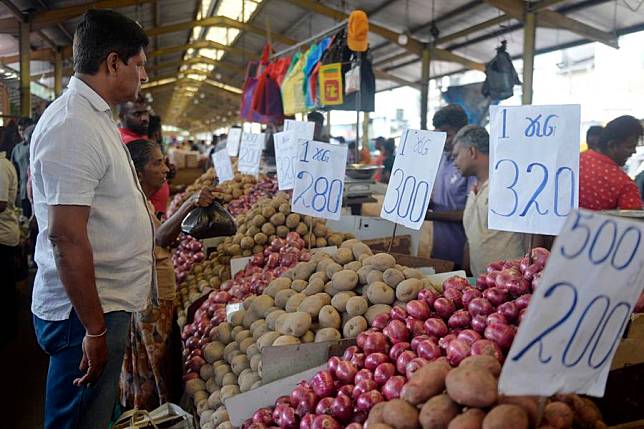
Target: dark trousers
[(26, 208), (9, 302)]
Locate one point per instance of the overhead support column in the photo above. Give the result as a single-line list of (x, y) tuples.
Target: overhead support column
[(58, 72), (529, 35), (25, 72), (365, 135), (424, 88)]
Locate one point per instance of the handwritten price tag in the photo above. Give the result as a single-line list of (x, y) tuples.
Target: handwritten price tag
[(319, 182), (286, 145), (534, 167), (304, 130), (233, 140), (578, 313), (412, 177), (223, 167), (250, 153)]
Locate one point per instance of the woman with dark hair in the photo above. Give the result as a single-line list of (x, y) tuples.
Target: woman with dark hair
[(143, 382), (603, 185)]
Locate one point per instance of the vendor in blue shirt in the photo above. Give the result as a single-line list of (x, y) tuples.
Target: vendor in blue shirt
[(450, 192)]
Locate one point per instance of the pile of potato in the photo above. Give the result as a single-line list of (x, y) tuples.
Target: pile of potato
[(438, 396)]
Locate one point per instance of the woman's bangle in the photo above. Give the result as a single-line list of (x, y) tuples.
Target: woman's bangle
[(96, 335)]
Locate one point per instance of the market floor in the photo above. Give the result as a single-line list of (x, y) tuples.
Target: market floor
[(25, 371)]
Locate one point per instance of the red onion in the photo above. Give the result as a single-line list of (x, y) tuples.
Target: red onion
[(495, 266), (380, 321), (531, 270), (455, 296), (324, 406), (523, 301), (398, 313), (404, 358), (346, 372), (342, 408), (444, 342), (427, 295), (325, 422), (490, 278), (518, 287), (496, 318), (307, 404), (284, 399), (363, 374), (428, 350), (500, 333), (397, 349), (359, 417), (263, 415), (457, 350), (348, 353), (415, 326), (469, 294), (487, 347), (417, 340), (460, 319), (522, 314), (384, 372), (307, 421), (455, 282), (286, 417), (509, 310), (298, 394), (444, 307), (469, 336), (393, 386), (435, 327), (413, 366), (375, 342), (364, 386), (347, 390), (354, 425), (478, 323), (368, 399), (540, 255), (322, 384), (375, 359), (417, 309), (396, 331), (481, 282), (358, 360), (332, 363), (496, 295)]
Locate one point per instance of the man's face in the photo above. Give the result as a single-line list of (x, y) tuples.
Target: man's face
[(463, 157), (21, 132), (130, 77), (137, 117), (155, 171), (621, 151), (451, 132)]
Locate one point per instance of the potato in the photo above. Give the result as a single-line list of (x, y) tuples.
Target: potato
[(268, 229), (252, 350), (320, 242), (261, 304), (254, 361), (327, 334), (325, 297), (201, 400), (400, 414), (302, 229), (278, 219), (349, 243), (320, 229), (194, 385), (246, 381), (314, 286), (320, 275), (258, 248), (225, 425), (408, 289), (267, 339), (375, 276), (299, 285), (311, 305), (485, 361), (247, 243), (363, 272), (292, 220), (392, 277), (381, 261), (323, 262), (294, 302), (259, 220), (472, 386), (240, 363), (242, 335), (380, 293), (230, 347), (359, 248), (303, 270), (228, 391), (258, 324), (529, 404), (330, 290), (558, 415), (329, 317), (425, 383), (220, 372), (211, 385), (283, 296), (222, 333), (344, 280), (412, 273), (375, 310), (286, 340), (343, 256), (245, 344), (332, 268), (260, 238), (214, 401), (376, 416), (281, 231), (506, 416), (271, 319), (308, 337), (470, 419), (339, 300), (354, 326), (357, 306), (295, 324), (213, 351), (334, 239), (438, 412), (284, 207)]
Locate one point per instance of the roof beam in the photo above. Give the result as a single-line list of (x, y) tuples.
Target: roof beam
[(210, 86), (202, 44), (383, 75), (197, 60), (56, 16)]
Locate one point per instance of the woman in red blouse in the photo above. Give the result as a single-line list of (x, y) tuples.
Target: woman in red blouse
[(603, 185)]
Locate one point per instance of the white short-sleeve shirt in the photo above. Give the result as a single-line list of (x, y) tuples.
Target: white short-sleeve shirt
[(77, 158)]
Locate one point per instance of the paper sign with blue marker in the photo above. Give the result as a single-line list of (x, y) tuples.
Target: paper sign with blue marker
[(250, 153), (223, 167), (233, 140), (534, 167), (319, 181), (286, 147), (412, 177), (303, 129), (578, 312)]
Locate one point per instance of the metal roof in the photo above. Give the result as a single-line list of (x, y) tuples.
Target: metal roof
[(461, 34)]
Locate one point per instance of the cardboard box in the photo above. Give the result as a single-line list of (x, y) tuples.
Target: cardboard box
[(636, 327), (629, 352)]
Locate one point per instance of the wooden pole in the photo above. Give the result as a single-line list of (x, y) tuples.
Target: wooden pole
[(25, 70), (424, 88), (529, 35)]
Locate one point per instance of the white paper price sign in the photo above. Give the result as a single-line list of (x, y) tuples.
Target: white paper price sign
[(534, 167), (412, 177), (319, 182), (578, 313), (250, 153), (232, 141), (286, 144), (303, 129), (223, 167)]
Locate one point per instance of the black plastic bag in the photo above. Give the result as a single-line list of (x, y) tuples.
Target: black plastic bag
[(209, 222), (500, 75)]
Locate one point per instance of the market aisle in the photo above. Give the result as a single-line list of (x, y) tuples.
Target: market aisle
[(25, 369)]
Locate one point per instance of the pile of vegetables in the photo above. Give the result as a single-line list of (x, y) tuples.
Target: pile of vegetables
[(186, 255)]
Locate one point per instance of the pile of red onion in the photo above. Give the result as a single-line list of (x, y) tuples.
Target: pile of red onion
[(267, 186), (464, 320), (189, 252)]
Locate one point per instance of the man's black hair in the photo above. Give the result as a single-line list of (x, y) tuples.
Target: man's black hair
[(25, 121), (154, 125), (141, 153), (316, 117), (101, 32), (595, 130), (619, 129), (452, 116)]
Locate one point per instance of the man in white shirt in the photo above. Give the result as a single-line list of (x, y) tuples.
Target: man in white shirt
[(96, 240)]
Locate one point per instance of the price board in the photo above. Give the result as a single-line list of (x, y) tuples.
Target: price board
[(286, 146), (250, 153), (319, 181), (534, 167), (412, 177), (223, 167), (579, 311), (233, 140), (303, 129)]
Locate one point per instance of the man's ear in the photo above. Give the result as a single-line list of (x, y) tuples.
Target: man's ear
[(113, 62), (473, 152), (139, 175)]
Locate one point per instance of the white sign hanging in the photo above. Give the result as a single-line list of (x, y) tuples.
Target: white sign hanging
[(223, 167), (578, 313), (233, 140), (286, 144), (319, 181), (534, 167), (303, 129), (250, 153), (412, 177)]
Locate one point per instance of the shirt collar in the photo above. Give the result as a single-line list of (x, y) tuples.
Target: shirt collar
[(86, 91), (601, 157)]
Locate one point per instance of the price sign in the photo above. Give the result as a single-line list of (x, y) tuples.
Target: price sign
[(250, 153), (319, 182), (286, 145), (223, 167), (578, 313), (534, 167), (303, 129), (412, 177), (232, 141)]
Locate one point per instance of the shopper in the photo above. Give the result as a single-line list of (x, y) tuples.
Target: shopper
[(603, 185), (20, 159), (389, 148), (144, 377), (9, 240), (483, 245), (96, 239), (135, 119), (161, 198), (318, 119), (380, 158), (592, 137), (450, 192), (10, 138)]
